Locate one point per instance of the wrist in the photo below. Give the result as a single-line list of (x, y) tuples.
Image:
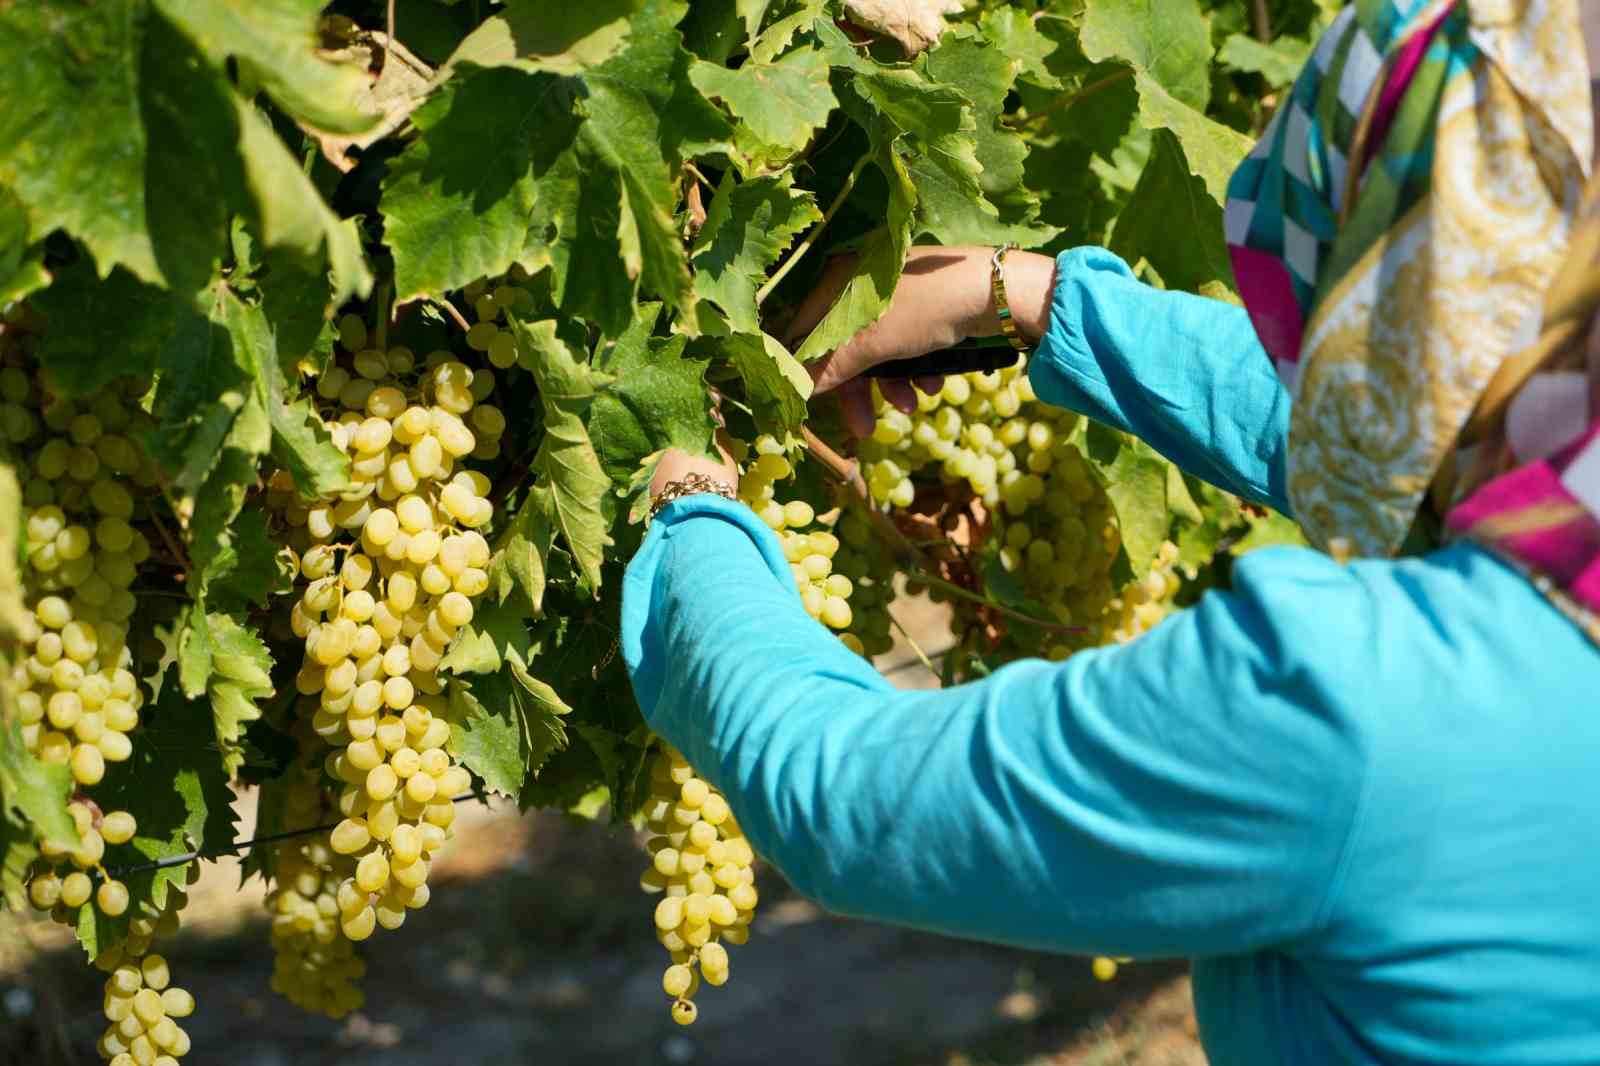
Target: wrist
[(1029, 280)]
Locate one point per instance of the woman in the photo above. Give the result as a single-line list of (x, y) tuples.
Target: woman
[(1361, 796)]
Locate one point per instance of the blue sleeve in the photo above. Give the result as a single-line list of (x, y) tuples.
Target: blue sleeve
[(1184, 373), (1148, 799)]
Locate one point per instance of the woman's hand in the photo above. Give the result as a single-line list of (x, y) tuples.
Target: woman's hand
[(944, 297)]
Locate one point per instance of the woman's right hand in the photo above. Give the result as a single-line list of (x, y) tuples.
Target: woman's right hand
[(944, 297)]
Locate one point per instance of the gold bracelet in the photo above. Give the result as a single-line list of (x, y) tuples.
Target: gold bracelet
[(1002, 308), (691, 485)]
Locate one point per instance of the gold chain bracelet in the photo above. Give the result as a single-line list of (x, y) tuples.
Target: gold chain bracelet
[(691, 485)]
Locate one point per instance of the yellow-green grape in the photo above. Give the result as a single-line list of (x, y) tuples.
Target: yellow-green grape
[(703, 869), (1105, 968)]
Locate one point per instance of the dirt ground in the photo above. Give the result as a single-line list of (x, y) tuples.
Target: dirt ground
[(536, 948)]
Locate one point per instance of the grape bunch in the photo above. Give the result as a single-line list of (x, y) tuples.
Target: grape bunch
[(391, 565), (864, 560), (703, 867), (810, 551), (490, 301), (314, 966), (953, 428), (143, 1005), (62, 893), (77, 698), (1046, 519)]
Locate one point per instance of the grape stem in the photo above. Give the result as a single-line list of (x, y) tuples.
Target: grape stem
[(967, 594), (450, 309), (848, 473), (173, 546), (922, 656), (384, 294), (810, 239), (1071, 98)]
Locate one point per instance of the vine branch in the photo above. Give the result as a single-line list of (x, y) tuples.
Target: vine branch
[(1261, 20), (1073, 97), (810, 239)]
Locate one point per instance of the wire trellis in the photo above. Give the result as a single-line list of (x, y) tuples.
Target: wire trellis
[(237, 846)]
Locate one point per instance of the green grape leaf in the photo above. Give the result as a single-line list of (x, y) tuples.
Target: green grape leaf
[(747, 228), (88, 317), (175, 788), (17, 852), (216, 505), (214, 363), (782, 30), (938, 120), (1278, 63), (619, 133), (228, 662), (776, 385), (1169, 200), (14, 613), (566, 462), (254, 573), (33, 794), (21, 266), (504, 722), (1211, 149), (275, 43), (1135, 480), (782, 103), (520, 563), (877, 266), (72, 136), (561, 38), (302, 445), (297, 302), (656, 399), (290, 214), (1268, 531), (654, 68), (489, 740), (1169, 41), (1006, 210), (1016, 35), (456, 204), (115, 128)]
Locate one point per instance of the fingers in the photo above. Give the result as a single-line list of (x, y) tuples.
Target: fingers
[(899, 393), (835, 368), (855, 398)]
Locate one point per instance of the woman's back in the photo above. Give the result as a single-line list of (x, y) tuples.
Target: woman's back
[(1462, 923)]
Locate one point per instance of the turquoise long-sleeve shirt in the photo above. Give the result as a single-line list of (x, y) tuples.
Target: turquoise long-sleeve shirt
[(1365, 799)]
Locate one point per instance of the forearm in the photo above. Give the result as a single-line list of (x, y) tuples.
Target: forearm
[(1182, 372), (1019, 809)]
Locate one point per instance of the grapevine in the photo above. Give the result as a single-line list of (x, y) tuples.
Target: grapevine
[(336, 357)]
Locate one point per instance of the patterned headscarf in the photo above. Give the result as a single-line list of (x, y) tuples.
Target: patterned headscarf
[(1406, 237)]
